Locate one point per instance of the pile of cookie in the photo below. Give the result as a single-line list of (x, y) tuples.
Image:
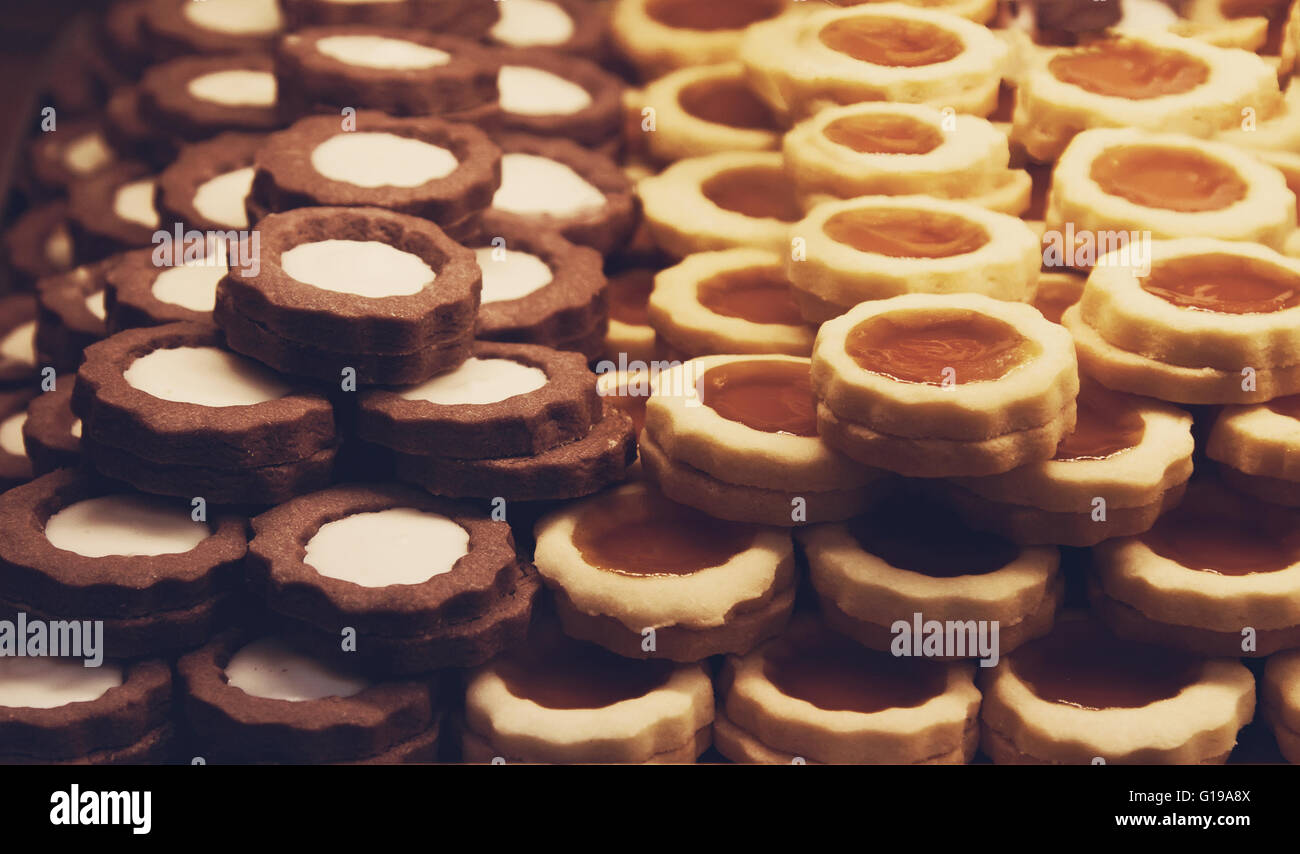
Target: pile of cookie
[(633, 381)]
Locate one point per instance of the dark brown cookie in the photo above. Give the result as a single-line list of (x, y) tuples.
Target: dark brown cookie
[(131, 135), (196, 97), (540, 92), (180, 27), (325, 69), (122, 37), (468, 18), (52, 431), (204, 188), (15, 466), (114, 210), (74, 150), (529, 197), (297, 168), (568, 308), (70, 315), (576, 27), (288, 423), (39, 244), (567, 471), (18, 357), (523, 423), (139, 292), (117, 726), (463, 615), (442, 311), (231, 724)]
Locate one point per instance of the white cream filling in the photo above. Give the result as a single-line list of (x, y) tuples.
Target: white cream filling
[(192, 286), (237, 17), (533, 185), (221, 199), (133, 202), (270, 669), (95, 305), (87, 153), (238, 87), (75, 429), (11, 434), (363, 267), (512, 276), (380, 52), (532, 22), (478, 381), (381, 160), (131, 525), (205, 376), (528, 91), (397, 546), (20, 344), (47, 683), (58, 247)]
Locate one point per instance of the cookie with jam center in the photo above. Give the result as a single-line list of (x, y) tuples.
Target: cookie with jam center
[(1257, 449)]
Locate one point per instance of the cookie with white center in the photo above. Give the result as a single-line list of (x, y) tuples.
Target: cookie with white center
[(506, 400), (387, 295), (78, 549), (561, 701), (18, 357), (51, 434), (138, 291), (539, 288), (249, 698), (398, 71), (647, 578), (425, 582), (114, 210), (169, 410), (426, 167), (206, 186), (70, 314), (57, 711), (39, 244), (557, 184), (180, 27), (468, 18), (15, 466), (73, 151), (197, 97), (570, 26)]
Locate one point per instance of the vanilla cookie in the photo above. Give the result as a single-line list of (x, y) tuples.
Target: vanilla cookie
[(704, 109), (1257, 448)]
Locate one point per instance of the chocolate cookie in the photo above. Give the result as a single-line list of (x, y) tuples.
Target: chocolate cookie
[(257, 699), (52, 431), (469, 18), (507, 400), (557, 184), (39, 244), (424, 582), (565, 471), (78, 549), (17, 338), (114, 210), (425, 167), (139, 292), (179, 27), (169, 410), (398, 71), (197, 97), (73, 151), (206, 187), (572, 26), (539, 288), (70, 314), (15, 467), (122, 37), (131, 135), (56, 711)]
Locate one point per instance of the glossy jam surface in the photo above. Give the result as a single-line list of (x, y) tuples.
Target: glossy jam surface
[(709, 17), (756, 294), (881, 133), (838, 675), (894, 42), (580, 676), (1079, 663), (1224, 284), (771, 395), (904, 233), (726, 102), (1174, 179), (1107, 423), (629, 294), (929, 539), (1129, 69), (755, 192), (645, 534), (1244, 539), (918, 347)]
